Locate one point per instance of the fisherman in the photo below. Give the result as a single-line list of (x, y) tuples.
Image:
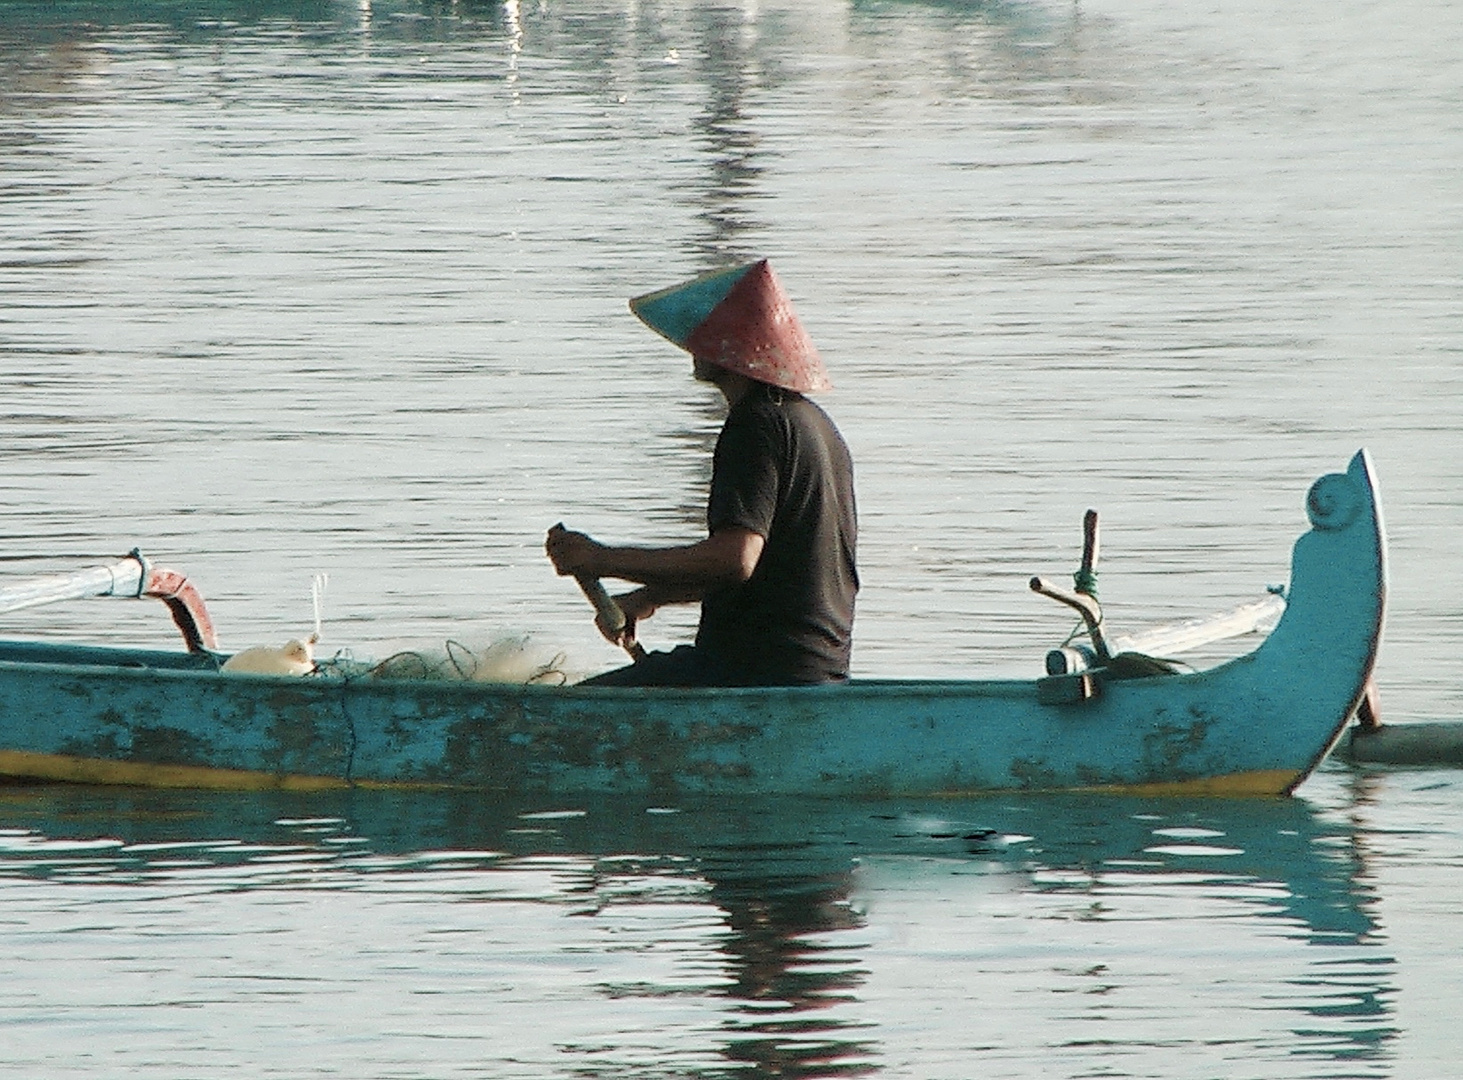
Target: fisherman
[(775, 575)]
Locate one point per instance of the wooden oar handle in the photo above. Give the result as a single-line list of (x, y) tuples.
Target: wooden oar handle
[(611, 615)]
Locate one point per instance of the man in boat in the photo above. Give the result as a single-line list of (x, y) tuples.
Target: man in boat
[(775, 575)]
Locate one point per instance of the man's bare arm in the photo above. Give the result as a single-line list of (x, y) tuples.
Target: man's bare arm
[(726, 557)]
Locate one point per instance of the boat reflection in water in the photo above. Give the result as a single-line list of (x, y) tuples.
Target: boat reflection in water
[(774, 937)]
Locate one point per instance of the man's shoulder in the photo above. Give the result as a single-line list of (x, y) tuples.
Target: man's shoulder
[(783, 407), (781, 423)]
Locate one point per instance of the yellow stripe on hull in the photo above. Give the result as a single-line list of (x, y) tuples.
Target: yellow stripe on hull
[(61, 768), (22, 764), (1244, 784), (1266, 783)]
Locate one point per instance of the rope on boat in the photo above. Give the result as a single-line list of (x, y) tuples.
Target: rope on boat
[(1084, 580), (1078, 631)]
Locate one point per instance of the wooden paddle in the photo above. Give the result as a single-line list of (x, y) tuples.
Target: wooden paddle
[(611, 616)]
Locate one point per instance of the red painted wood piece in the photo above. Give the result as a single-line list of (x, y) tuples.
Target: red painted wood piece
[(186, 605)]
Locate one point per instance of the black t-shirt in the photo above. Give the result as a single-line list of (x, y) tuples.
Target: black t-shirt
[(782, 470)]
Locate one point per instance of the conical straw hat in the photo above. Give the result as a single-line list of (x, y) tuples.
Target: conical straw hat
[(741, 320)]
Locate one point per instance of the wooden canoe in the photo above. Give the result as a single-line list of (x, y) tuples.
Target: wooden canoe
[(1257, 724)]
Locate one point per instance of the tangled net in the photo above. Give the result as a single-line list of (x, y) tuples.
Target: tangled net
[(507, 660)]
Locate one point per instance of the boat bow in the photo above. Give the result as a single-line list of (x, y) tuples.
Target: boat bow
[(1336, 603)]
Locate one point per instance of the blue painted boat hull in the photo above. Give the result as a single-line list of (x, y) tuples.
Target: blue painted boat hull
[(1258, 724)]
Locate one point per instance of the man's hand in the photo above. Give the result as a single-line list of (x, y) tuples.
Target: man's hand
[(635, 605), (573, 553)]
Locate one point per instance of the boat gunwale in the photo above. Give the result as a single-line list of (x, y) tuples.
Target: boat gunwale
[(334, 681)]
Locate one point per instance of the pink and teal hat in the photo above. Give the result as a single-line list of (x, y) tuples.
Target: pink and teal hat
[(741, 320)]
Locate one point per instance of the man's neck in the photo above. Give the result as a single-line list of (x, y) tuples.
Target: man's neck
[(733, 387)]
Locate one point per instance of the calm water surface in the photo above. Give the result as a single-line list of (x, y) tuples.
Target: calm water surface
[(205, 935), (301, 287)]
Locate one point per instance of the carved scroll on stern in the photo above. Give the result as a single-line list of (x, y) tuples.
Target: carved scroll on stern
[(1334, 501)]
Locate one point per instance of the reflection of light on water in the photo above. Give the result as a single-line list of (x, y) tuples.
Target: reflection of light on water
[(515, 42), (1191, 833), (750, 12), (1192, 849)]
